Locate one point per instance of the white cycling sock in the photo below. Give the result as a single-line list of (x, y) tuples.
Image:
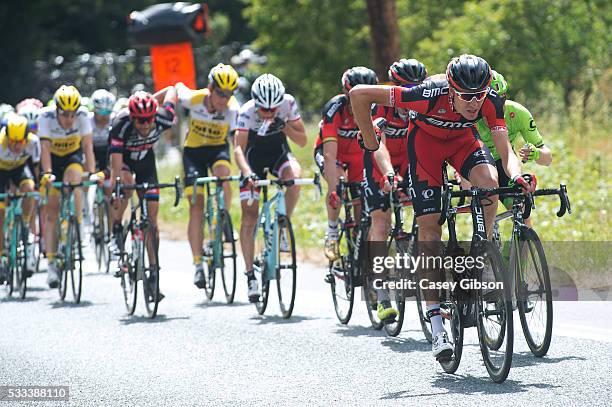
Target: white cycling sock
[(436, 320)]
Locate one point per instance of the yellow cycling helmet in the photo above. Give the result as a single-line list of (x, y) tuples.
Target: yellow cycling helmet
[(67, 98), (16, 128), (223, 77)]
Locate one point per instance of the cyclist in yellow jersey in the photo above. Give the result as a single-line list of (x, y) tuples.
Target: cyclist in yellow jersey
[(213, 113), (66, 135), (17, 146)]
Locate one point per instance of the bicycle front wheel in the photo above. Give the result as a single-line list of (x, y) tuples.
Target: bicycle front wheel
[(129, 275), (21, 258), (340, 277), (228, 272), (494, 315), (76, 262), (149, 267), (261, 251), (534, 293), (286, 268), (398, 296), (451, 313), (210, 231)]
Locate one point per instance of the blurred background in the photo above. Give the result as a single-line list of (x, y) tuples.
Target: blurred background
[(555, 55)]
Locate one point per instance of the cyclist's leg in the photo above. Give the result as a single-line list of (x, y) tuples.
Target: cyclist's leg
[(193, 161), (248, 224), (221, 167), (74, 174), (26, 185), (476, 165), (290, 169)]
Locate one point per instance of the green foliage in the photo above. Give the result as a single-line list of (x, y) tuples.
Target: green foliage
[(309, 43)]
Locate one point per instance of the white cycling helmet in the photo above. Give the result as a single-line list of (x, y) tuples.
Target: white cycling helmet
[(103, 101), (267, 91), (30, 112)]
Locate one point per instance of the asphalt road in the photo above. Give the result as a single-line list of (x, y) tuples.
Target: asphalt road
[(198, 352)]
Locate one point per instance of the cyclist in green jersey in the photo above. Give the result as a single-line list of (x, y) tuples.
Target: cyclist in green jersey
[(519, 121)]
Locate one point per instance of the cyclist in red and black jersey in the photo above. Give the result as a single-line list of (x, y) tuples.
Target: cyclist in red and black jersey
[(390, 159), (337, 146), (443, 130)]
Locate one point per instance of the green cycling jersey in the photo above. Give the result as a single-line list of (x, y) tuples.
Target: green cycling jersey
[(519, 121)]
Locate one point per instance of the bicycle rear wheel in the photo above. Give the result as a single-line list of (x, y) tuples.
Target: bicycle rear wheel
[(261, 251), (286, 268), (228, 272), (494, 315), (149, 263), (340, 277), (534, 293), (129, 273), (76, 262), (398, 296)]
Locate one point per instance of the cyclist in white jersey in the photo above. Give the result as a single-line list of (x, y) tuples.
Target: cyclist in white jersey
[(264, 123)]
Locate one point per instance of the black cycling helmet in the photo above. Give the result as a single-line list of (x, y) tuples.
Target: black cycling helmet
[(468, 73), (358, 75), (407, 70)]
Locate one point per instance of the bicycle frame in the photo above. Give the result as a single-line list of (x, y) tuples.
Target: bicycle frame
[(271, 228)]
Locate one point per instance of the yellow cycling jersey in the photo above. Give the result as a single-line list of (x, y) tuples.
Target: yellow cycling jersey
[(10, 160), (63, 142), (206, 128)]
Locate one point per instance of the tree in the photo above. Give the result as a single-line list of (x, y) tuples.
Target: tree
[(384, 34)]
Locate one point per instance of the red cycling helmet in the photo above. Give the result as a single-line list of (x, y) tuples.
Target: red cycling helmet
[(142, 105)]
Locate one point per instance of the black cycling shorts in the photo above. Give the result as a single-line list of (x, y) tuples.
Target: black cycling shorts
[(15, 176), (145, 171), (60, 164), (200, 159), (101, 155)]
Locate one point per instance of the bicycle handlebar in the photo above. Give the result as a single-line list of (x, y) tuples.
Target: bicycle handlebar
[(316, 180), (205, 180), (145, 186)]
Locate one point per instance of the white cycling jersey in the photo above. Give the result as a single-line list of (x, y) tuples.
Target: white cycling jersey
[(100, 134), (63, 142), (249, 119)]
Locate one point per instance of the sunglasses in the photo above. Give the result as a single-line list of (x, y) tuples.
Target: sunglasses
[(103, 112), (67, 114), (225, 95), (272, 110), (469, 96), (143, 120)]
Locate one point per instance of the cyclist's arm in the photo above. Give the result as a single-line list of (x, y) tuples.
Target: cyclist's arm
[(90, 161), (116, 160), (362, 97), (45, 155), (330, 155), (531, 134), (383, 159), (167, 94), (296, 132), (241, 139), (510, 161)]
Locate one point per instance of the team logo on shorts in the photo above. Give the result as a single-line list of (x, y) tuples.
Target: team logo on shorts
[(427, 194)]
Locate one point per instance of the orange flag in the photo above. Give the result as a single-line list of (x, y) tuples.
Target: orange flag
[(173, 63)]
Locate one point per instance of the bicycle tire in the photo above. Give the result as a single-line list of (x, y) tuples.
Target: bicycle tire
[(21, 265), (540, 348), (65, 242), (209, 254), (261, 247), (398, 296), (286, 271), (450, 311), (129, 275), (495, 302), (228, 274), (40, 242), (150, 273), (341, 282), (422, 311), (76, 263)]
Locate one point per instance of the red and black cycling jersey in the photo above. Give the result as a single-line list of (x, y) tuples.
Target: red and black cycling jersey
[(435, 113), (339, 125), (396, 133), (125, 139)]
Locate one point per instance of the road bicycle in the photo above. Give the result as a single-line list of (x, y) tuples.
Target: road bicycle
[(101, 233), (139, 248), (219, 248), (275, 245), (16, 244)]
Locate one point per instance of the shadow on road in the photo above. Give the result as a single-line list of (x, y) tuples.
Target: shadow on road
[(38, 288), (17, 299), (212, 304), (522, 359), (406, 345), (70, 304), (277, 319), (146, 320), (352, 331), (469, 385)]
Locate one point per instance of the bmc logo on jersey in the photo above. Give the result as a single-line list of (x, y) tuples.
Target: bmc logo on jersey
[(449, 124), (391, 132), (432, 93), (348, 133), (333, 109)]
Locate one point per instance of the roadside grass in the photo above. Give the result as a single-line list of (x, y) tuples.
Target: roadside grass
[(582, 159)]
